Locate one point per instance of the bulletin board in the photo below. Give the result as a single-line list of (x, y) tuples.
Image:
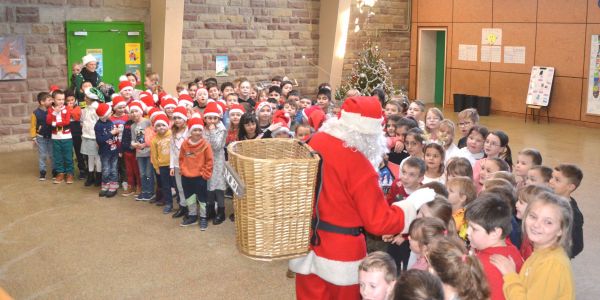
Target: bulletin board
[(540, 86)]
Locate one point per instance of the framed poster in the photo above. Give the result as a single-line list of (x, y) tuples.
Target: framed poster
[(13, 62), (593, 96), (222, 65), (540, 86)]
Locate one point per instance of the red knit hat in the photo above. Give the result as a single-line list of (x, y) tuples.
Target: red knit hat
[(237, 108), (212, 109), (168, 102), (103, 110), (136, 106), (161, 119), (195, 122), (180, 112), (119, 101), (185, 100), (125, 85), (362, 114)]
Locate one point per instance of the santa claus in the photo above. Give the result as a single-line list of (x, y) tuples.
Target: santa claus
[(350, 202)]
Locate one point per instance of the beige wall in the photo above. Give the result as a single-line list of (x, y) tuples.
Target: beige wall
[(167, 29), (555, 33)]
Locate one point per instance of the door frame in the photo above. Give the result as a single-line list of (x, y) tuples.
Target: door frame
[(420, 31)]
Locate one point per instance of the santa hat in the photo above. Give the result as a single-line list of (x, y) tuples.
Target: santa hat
[(88, 59), (185, 100), (161, 119), (168, 103), (212, 109), (195, 122), (161, 95), (123, 78), (103, 110), (125, 86), (237, 108), (53, 88), (362, 114), (180, 112), (222, 107), (136, 106), (119, 101), (153, 112), (309, 110), (284, 119), (262, 104), (146, 101)]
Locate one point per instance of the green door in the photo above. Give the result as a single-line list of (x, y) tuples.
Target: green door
[(119, 47), (440, 56)]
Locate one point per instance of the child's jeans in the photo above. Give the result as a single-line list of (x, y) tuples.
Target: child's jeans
[(194, 189), (62, 151), (44, 152), (132, 169), (109, 167), (166, 182), (146, 175)]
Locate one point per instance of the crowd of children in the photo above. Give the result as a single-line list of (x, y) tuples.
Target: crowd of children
[(496, 229)]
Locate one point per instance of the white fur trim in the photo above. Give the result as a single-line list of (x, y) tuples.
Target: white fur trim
[(155, 98), (95, 104), (135, 107), (236, 110), (170, 105), (211, 114), (361, 124), (185, 103), (161, 122), (194, 127), (410, 213), (178, 114), (126, 88), (123, 78), (342, 273)]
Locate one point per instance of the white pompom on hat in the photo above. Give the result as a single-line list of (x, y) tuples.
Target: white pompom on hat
[(88, 59)]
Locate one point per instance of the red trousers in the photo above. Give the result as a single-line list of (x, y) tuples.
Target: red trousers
[(132, 170), (313, 287)]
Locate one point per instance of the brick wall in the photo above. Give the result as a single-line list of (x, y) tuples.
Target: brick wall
[(261, 37), (42, 23), (385, 28)]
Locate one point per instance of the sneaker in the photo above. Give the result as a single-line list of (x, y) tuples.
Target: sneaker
[(168, 209), (82, 176), (191, 220), (151, 198), (60, 178), (203, 223), (139, 197), (70, 178), (103, 193), (128, 193), (111, 193), (42, 175)]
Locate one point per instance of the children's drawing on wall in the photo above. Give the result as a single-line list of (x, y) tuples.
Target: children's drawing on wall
[(13, 62), (593, 101)]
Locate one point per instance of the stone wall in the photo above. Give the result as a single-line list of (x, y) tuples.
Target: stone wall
[(388, 26), (42, 23), (262, 38)]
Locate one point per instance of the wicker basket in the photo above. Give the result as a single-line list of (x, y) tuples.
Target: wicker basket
[(273, 216)]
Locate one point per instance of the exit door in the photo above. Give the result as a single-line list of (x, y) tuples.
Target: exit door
[(118, 47), (431, 65)]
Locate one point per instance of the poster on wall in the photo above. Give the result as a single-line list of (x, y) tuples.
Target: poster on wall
[(133, 59), (222, 65), (97, 53), (540, 86), (593, 98), (13, 62), (491, 36)]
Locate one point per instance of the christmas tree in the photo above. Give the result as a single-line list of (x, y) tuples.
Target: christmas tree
[(369, 72)]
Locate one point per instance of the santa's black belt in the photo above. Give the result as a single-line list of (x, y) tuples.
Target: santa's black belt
[(322, 225)]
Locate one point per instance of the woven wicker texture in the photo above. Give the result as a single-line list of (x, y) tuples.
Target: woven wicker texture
[(273, 216)]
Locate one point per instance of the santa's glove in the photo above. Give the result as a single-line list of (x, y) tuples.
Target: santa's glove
[(411, 204)]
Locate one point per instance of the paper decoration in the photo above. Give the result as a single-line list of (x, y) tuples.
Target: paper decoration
[(593, 98), (514, 55), (97, 53), (467, 52), (222, 65), (491, 54), (13, 61), (540, 86), (491, 36)]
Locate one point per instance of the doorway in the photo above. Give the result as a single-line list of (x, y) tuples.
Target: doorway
[(431, 65)]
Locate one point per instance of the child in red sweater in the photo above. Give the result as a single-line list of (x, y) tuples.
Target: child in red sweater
[(59, 118), (489, 223)]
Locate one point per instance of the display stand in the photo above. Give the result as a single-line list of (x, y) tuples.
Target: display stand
[(539, 109), (538, 94)]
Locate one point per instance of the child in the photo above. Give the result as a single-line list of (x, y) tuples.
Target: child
[(377, 276), (547, 273), (215, 134), (441, 209), (539, 175), (324, 100), (192, 87), (506, 176), (421, 232), (235, 114), (473, 151), (433, 117), (466, 120), (140, 142), (434, 160), (418, 285), (201, 100), (106, 137), (489, 167), (89, 146), (264, 113), (489, 219), (275, 92), (119, 118), (461, 274), (59, 118), (459, 166), (314, 117), (286, 88), (415, 111), (526, 195), (566, 178), (178, 135), (76, 132), (160, 156), (392, 108), (290, 107), (213, 91), (248, 127), (227, 89), (409, 180), (526, 159), (244, 96), (128, 153), (41, 132), (195, 163), (302, 132), (461, 192)]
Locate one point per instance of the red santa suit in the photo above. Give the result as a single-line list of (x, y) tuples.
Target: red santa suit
[(350, 198)]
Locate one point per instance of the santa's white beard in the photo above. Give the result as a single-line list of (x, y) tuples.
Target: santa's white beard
[(372, 146)]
